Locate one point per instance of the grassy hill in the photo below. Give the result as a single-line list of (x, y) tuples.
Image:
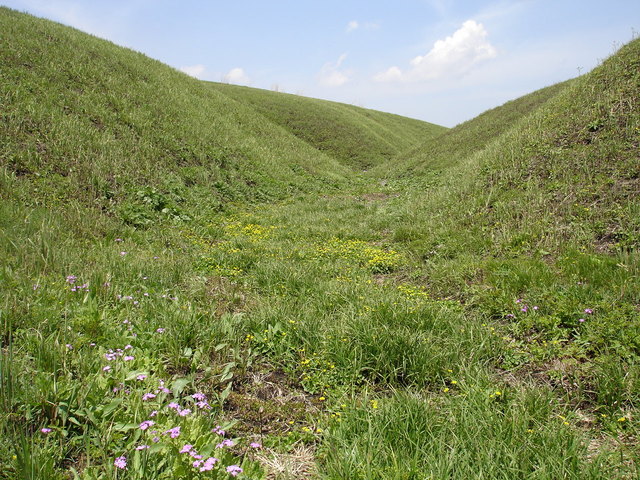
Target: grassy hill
[(85, 119), (468, 138), (186, 276), (355, 136)]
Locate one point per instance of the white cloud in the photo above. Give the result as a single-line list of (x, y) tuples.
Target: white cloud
[(196, 71), (453, 56), (393, 74), (331, 76), (236, 75), (355, 25)]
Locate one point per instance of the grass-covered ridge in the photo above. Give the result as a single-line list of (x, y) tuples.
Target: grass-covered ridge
[(355, 136), (86, 119), (284, 314), (453, 146)]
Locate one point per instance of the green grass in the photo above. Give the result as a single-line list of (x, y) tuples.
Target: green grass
[(354, 136), (428, 326), (453, 146)]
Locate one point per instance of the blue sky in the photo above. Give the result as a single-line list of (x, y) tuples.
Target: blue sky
[(442, 61)]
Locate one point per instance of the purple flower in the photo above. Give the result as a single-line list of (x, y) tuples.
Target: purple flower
[(36, 286), (123, 253), (71, 279), (588, 310), (128, 358), (173, 432), (45, 430), (225, 443), (186, 448), (142, 447), (69, 346), (219, 431), (118, 240), (154, 413), (234, 470), (128, 347), (535, 307), (524, 309), (146, 424), (155, 439), (203, 405), (160, 330), (106, 368), (255, 445), (148, 396), (183, 413), (208, 464), (121, 462), (199, 396), (197, 463), (173, 405), (141, 377), (581, 320)]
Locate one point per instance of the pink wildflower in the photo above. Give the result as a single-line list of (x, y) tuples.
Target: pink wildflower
[(121, 462), (208, 464), (234, 470), (146, 424), (225, 443)]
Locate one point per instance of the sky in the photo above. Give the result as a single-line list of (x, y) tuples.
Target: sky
[(442, 61)]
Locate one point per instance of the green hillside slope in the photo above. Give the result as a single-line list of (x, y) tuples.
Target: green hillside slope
[(355, 136), (470, 137), (85, 119), (567, 171)]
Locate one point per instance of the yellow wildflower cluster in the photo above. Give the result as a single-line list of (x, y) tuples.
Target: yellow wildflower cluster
[(412, 292), (251, 231), (376, 259)]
